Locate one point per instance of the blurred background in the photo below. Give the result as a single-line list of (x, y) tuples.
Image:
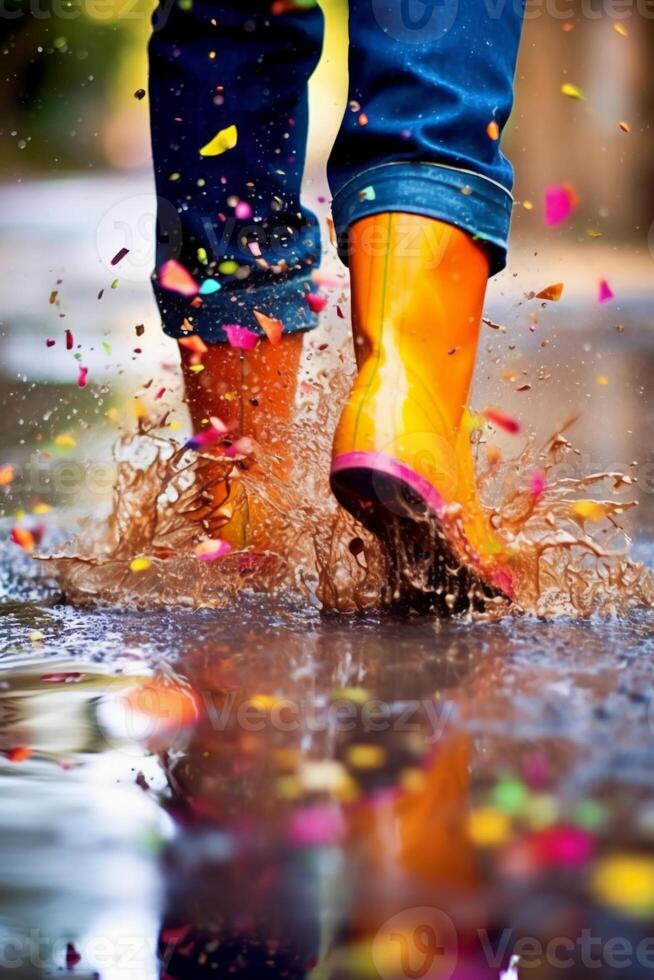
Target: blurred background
[(76, 187)]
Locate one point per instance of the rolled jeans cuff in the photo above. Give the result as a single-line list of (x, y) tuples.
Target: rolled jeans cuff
[(469, 201), (285, 301)]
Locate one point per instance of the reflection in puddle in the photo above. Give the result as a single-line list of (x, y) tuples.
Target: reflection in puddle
[(265, 793)]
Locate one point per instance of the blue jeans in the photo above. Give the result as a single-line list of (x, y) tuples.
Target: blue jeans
[(427, 77)]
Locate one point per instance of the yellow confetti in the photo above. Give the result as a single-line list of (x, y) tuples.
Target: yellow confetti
[(590, 510), (601, 379), (202, 255), (357, 694), (528, 205), (489, 827), (264, 702), (41, 509), (365, 756), (36, 636), (572, 91), (626, 883), (228, 267), (140, 409), (19, 514), (65, 441), (175, 425), (196, 368), (225, 140), (620, 29), (113, 414), (139, 564)]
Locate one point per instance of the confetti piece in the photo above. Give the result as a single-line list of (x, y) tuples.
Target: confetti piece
[(41, 509), (212, 548), (193, 343), (73, 958), (316, 302), (493, 130), (202, 256), (510, 795), (228, 267), (65, 441), (7, 474), (537, 484), (240, 337), (626, 882), (272, 327), (215, 431), (23, 538), (140, 565), (69, 340), (572, 91), (560, 202), (106, 347), (501, 420), (139, 94), (620, 29), (316, 825), (177, 279), (489, 827), (243, 210), (50, 342), (225, 140), (367, 194), (590, 510), (119, 256), (552, 293), (528, 205), (364, 756), (19, 753), (604, 292), (54, 296), (209, 287), (363, 119), (601, 380), (82, 377), (624, 126)]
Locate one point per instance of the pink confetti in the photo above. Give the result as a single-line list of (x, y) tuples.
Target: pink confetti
[(69, 340), (316, 302), (241, 447), (82, 376), (315, 825), (243, 210), (560, 202), (604, 292), (50, 342), (212, 548), (537, 484), (216, 431), (240, 337), (177, 279)]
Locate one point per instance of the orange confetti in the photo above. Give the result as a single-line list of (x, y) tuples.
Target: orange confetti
[(23, 538), (620, 29), (7, 474), (624, 126), (193, 343), (552, 293), (19, 753), (503, 421), (363, 119), (272, 327), (175, 277), (493, 130)]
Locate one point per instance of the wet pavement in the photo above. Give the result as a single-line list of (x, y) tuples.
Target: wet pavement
[(265, 791)]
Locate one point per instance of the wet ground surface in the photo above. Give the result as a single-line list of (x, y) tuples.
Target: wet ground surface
[(265, 791)]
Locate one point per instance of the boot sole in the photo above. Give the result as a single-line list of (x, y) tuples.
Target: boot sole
[(403, 511)]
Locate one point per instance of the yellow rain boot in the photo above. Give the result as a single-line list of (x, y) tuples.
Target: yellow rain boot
[(402, 462), (251, 391)]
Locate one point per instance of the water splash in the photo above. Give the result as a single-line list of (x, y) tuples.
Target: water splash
[(168, 498)]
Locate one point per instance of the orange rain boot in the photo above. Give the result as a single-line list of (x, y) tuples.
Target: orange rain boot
[(402, 462), (251, 392)]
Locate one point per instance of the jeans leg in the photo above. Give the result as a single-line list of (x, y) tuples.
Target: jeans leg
[(234, 218), (431, 82)]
